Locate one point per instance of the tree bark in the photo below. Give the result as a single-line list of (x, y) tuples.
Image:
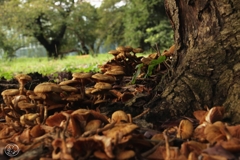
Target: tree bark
[(206, 62)]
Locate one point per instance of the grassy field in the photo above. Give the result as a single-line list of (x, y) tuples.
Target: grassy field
[(44, 66)]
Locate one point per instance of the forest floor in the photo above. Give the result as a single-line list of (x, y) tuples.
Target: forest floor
[(159, 139)]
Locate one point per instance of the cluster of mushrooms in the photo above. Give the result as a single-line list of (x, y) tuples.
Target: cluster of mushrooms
[(63, 121)]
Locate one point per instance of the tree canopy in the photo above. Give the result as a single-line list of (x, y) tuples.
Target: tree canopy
[(63, 26)]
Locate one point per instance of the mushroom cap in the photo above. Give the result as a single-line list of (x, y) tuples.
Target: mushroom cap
[(104, 78), (25, 105), (81, 75), (47, 87), (185, 129), (169, 52), (146, 61), (137, 50), (69, 82), (116, 68), (119, 116), (93, 125), (103, 86), (96, 91), (153, 56), (114, 72), (10, 92), (128, 48), (89, 90), (114, 52), (23, 77), (68, 88), (121, 49)]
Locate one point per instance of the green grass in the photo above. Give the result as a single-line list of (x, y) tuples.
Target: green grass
[(44, 66)]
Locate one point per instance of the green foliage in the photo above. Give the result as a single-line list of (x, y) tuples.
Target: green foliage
[(57, 24), (153, 64), (141, 15), (137, 73), (111, 27), (82, 26), (161, 35)]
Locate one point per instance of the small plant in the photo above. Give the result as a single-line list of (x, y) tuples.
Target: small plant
[(154, 62), (137, 73), (151, 67)]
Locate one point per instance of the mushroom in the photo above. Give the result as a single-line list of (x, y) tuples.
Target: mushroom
[(101, 90), (121, 49), (93, 125), (169, 52), (83, 78), (185, 129), (30, 119), (22, 102), (22, 80), (121, 132), (43, 89), (120, 116), (114, 53), (117, 73), (98, 77), (137, 50), (8, 94), (103, 86), (49, 92), (69, 82)]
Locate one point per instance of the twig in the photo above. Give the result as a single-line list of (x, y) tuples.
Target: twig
[(140, 115), (106, 127)]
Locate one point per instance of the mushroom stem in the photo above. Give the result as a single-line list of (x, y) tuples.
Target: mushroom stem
[(45, 114), (21, 88)]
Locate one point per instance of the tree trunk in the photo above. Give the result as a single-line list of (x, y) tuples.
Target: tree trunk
[(52, 46), (206, 62)]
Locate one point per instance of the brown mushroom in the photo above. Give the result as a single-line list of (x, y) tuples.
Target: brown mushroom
[(137, 50), (30, 119), (121, 49), (84, 79), (22, 80), (101, 91), (114, 53), (185, 129), (93, 125), (47, 87), (169, 52), (8, 95), (103, 78), (50, 94), (146, 60), (120, 116), (69, 82), (103, 86)]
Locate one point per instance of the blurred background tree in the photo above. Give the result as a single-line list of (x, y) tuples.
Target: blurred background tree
[(64, 26)]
